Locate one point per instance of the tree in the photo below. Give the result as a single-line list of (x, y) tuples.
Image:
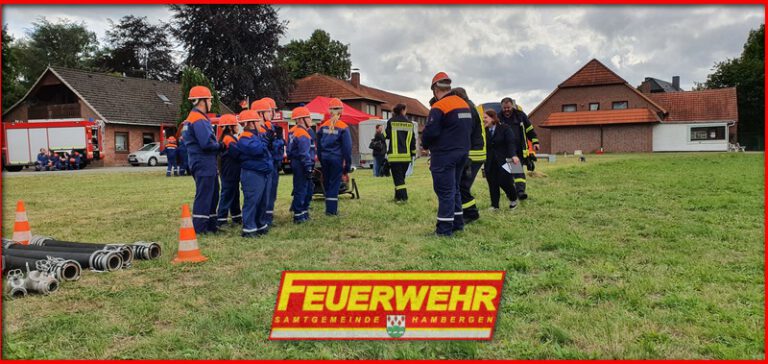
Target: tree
[(236, 46), (139, 49), (747, 74), (65, 44), (12, 91), (318, 54), (190, 77)]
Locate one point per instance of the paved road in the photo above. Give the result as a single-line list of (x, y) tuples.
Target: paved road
[(87, 170)]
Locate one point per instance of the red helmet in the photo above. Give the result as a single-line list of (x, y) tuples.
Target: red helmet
[(335, 104), (199, 92), (442, 79), (300, 112), (228, 119), (249, 115), (271, 102), (261, 105)]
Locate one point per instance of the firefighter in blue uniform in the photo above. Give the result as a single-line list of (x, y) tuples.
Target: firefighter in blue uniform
[(256, 168), (170, 152), (522, 129), (447, 136), (476, 159), (301, 152), (266, 109), (334, 151), (229, 169), (202, 149)]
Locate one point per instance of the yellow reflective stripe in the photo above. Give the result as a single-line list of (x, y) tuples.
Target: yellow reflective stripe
[(408, 141), (393, 141), (529, 128), (525, 152), (468, 204), (534, 140), (519, 180), (400, 187)]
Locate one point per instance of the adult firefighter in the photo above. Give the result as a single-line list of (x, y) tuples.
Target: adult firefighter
[(476, 160), (523, 132), (401, 150)]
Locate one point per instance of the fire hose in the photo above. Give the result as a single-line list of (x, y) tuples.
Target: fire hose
[(61, 269), (107, 259), (57, 245), (139, 250)]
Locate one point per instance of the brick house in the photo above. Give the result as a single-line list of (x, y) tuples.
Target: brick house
[(596, 109), (131, 111), (367, 99)]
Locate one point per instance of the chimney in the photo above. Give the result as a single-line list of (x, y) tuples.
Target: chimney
[(356, 78), (676, 82)]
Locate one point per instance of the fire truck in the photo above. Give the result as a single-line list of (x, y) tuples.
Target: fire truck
[(21, 142)]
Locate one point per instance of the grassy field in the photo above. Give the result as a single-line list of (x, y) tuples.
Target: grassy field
[(624, 256)]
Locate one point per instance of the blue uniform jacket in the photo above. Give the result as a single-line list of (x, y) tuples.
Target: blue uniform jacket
[(336, 144), (278, 144), (229, 164), (301, 147), (201, 144), (42, 159), (254, 152), (448, 127)]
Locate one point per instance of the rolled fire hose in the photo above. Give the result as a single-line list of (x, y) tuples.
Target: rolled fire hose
[(100, 260), (125, 250), (61, 269)]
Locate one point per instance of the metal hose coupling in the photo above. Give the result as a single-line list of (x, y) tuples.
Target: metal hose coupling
[(61, 269), (39, 240), (106, 260), (40, 282), (125, 251), (14, 285), (146, 250)]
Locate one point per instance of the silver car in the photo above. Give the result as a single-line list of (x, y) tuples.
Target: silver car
[(148, 155)]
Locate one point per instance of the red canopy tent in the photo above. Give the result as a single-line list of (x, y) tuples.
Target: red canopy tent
[(350, 115)]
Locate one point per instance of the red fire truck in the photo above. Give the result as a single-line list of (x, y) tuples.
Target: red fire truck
[(21, 142)]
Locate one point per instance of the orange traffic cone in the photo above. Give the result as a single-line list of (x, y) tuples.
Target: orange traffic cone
[(188, 249), (21, 232)]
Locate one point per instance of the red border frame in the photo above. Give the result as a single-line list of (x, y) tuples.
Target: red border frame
[(439, 2)]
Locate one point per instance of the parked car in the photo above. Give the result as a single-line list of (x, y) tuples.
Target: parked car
[(149, 155)]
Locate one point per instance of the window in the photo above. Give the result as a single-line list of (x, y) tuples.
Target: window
[(707, 133), (121, 142), (594, 106), (386, 114), (148, 138), (569, 108), (620, 105), (370, 109)]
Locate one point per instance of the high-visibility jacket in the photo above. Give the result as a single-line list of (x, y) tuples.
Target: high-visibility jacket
[(477, 147), (402, 144), (522, 129)]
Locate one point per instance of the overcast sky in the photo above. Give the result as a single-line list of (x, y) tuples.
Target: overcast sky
[(517, 51)]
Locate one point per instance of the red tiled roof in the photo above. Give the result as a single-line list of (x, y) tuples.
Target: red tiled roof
[(600, 117), (317, 84), (706, 105), (592, 74)]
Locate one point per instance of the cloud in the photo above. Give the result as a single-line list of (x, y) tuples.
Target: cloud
[(493, 51)]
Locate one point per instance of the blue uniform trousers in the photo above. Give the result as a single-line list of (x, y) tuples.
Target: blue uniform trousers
[(302, 192), (254, 200), (206, 200), (332, 169), (229, 202), (446, 178), (275, 178)]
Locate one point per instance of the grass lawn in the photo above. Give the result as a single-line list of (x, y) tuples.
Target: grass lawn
[(624, 256)]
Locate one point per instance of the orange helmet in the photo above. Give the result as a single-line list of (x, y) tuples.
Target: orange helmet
[(271, 102), (335, 104), (249, 115), (300, 112), (261, 105), (199, 92), (442, 79), (228, 119), (171, 139)]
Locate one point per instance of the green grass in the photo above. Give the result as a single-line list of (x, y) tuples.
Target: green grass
[(625, 256)]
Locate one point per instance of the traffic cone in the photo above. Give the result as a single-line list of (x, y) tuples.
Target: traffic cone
[(21, 232), (188, 249)]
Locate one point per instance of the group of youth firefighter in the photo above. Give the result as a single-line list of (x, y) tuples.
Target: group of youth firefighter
[(459, 140)]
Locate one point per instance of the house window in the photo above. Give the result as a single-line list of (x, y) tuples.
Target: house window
[(620, 105), (386, 114), (594, 106), (121, 142), (708, 133), (148, 138), (370, 109), (569, 108)]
